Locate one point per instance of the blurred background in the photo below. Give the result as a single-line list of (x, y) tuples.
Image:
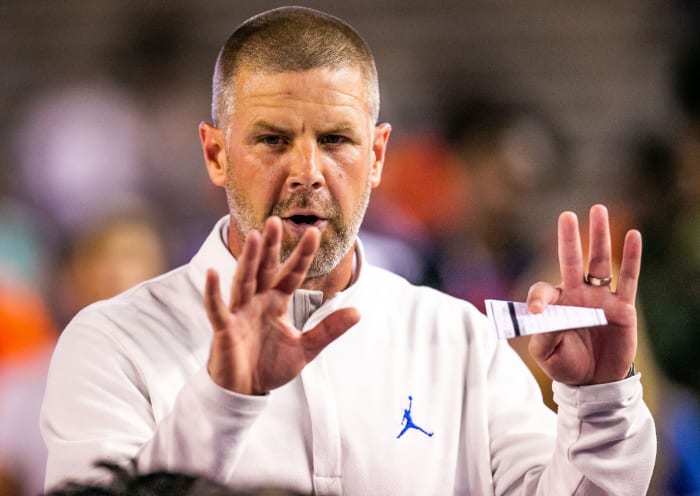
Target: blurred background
[(504, 114)]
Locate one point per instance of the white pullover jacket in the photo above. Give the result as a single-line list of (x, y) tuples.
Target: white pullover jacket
[(417, 398)]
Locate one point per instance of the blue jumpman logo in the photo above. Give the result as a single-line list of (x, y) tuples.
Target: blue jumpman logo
[(409, 421)]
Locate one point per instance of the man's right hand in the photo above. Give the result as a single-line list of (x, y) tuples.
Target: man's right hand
[(255, 348)]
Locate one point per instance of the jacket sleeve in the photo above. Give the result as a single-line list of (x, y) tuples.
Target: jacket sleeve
[(604, 443), (97, 407), (607, 434)]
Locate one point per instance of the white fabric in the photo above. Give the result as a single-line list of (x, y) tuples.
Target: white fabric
[(128, 379)]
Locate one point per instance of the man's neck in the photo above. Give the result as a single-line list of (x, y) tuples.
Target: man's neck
[(336, 280)]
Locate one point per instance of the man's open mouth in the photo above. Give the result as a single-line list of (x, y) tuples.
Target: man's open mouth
[(310, 220), (300, 222)]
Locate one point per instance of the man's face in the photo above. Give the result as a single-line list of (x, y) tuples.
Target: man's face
[(301, 145)]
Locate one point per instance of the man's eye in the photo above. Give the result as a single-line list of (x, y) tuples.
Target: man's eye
[(272, 140), (333, 139)]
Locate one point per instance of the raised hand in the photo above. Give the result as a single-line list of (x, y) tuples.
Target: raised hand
[(599, 354), (255, 348)]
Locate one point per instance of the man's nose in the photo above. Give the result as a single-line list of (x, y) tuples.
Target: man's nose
[(306, 170)]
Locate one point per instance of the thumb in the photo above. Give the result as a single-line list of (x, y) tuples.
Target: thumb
[(329, 329), (540, 295)]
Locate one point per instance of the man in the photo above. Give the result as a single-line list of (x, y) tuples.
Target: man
[(300, 379)]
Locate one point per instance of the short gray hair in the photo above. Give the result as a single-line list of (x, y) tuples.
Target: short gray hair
[(291, 39)]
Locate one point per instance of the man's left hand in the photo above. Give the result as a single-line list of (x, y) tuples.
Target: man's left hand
[(599, 354)]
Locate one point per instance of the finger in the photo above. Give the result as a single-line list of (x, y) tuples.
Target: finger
[(270, 256), (329, 329), (245, 279), (630, 267), (213, 302), (570, 253), (599, 257), (540, 295), (294, 270)]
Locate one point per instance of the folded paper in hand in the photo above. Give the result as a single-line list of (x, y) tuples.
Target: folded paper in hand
[(511, 319)]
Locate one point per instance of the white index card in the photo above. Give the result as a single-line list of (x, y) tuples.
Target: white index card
[(511, 319)]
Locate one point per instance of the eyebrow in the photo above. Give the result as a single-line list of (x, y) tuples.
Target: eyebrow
[(266, 126), (263, 125), (340, 129)]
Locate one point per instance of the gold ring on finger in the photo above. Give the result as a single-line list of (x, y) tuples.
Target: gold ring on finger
[(597, 281)]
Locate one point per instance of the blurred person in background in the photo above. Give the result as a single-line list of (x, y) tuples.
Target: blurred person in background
[(107, 257), (423, 196), (103, 260), (513, 159), (125, 482), (131, 482), (644, 165), (667, 193), (86, 163), (98, 130), (27, 337), (88, 159), (152, 63), (247, 391)]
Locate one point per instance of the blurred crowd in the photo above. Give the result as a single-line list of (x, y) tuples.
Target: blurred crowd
[(110, 190)]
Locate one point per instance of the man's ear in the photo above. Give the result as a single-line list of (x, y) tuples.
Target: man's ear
[(214, 148), (381, 137)]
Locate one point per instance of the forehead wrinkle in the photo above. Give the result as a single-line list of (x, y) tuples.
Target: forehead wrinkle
[(254, 85), (325, 120), (283, 99)]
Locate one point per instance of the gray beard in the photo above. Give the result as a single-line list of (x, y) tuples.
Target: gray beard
[(336, 240)]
